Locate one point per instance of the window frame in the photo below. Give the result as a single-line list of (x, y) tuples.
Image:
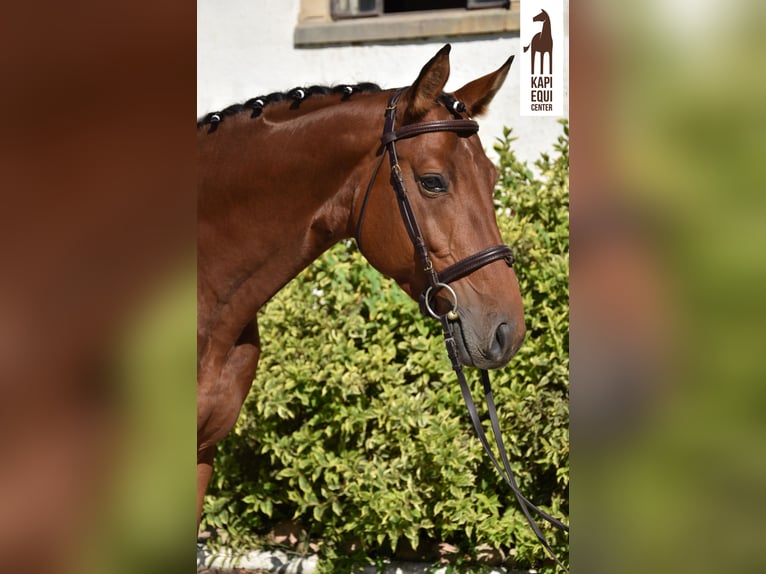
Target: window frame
[(318, 26)]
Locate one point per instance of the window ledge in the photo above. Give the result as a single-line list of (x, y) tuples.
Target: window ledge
[(411, 25)]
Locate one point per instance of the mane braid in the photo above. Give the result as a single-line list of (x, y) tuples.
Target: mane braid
[(296, 95)]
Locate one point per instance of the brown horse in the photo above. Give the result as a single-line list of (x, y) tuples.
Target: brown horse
[(284, 177)]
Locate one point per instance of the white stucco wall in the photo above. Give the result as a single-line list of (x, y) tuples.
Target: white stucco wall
[(245, 49)]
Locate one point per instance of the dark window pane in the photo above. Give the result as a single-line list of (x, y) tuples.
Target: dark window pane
[(412, 5)]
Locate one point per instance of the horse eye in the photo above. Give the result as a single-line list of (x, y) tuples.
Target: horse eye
[(433, 183)]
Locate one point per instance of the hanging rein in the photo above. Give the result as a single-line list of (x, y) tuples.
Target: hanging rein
[(436, 281)]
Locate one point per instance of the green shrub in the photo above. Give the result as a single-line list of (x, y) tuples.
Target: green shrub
[(356, 426)]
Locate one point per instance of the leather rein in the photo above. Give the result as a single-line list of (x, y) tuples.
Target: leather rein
[(436, 281)]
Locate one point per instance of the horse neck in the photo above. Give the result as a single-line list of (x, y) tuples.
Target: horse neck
[(277, 191)]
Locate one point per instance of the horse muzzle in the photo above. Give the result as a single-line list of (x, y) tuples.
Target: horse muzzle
[(489, 347)]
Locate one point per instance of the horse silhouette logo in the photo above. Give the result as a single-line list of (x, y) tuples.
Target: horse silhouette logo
[(542, 43)]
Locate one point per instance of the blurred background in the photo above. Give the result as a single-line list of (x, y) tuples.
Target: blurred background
[(97, 288), (667, 212), (667, 271)]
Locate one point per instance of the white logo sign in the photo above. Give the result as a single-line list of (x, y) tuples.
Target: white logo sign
[(542, 57)]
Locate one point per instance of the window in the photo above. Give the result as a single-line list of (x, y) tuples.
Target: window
[(364, 8), (356, 8), (339, 22)]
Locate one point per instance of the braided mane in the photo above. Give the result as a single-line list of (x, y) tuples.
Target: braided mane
[(296, 95)]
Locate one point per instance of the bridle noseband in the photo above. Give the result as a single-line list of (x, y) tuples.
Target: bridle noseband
[(438, 280)]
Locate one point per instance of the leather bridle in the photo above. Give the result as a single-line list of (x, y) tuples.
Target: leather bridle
[(438, 280), (434, 280)]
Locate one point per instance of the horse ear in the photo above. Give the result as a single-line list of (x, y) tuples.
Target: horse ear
[(477, 95), (428, 87)]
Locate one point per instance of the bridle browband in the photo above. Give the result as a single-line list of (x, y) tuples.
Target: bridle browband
[(438, 280)]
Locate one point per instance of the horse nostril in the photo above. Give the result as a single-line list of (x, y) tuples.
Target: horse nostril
[(503, 335), (499, 347)]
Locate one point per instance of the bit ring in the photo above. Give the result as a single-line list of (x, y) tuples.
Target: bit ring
[(452, 313)]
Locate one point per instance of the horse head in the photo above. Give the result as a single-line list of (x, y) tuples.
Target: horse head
[(541, 17), (449, 183)]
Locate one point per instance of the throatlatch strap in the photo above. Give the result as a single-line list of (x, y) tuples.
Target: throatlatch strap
[(366, 199)]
